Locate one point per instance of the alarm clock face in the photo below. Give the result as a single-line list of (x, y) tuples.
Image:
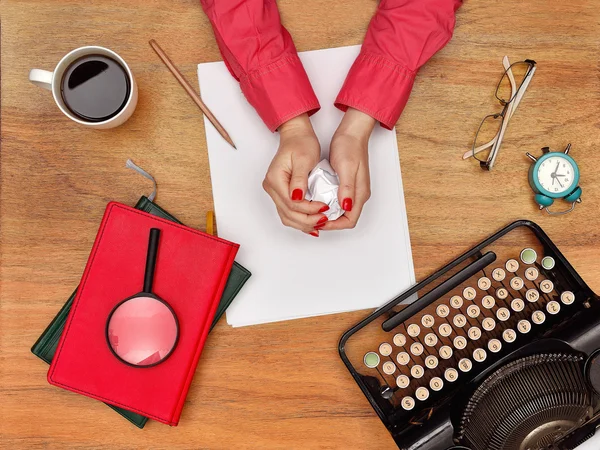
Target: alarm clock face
[(556, 174)]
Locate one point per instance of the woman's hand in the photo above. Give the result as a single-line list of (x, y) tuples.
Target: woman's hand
[(349, 157), (287, 178)]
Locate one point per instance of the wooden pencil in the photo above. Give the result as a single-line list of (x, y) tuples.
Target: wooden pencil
[(191, 92)]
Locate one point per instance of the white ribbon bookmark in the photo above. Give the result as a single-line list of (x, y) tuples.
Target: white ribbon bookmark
[(131, 165)]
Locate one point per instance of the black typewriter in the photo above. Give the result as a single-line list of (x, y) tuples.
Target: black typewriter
[(499, 352)]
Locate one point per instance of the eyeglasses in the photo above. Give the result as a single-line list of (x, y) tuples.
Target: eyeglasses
[(509, 92)]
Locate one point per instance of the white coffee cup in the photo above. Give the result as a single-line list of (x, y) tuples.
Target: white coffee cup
[(52, 81)]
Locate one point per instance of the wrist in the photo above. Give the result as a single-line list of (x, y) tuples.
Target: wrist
[(298, 125), (357, 124)]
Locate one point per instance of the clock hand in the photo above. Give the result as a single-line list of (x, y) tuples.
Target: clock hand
[(559, 175), (559, 182), (557, 166)]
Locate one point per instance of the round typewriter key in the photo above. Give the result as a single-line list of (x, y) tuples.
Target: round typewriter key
[(488, 302), (567, 297), (385, 349), (517, 283), (474, 333), (553, 307), (528, 255), (498, 274), (413, 330), (473, 311), (548, 262), (431, 339), (501, 293), (372, 360), (417, 371), (422, 393), (494, 345), (386, 391), (436, 384), (445, 330), (538, 317), (532, 295), (460, 342), (456, 302), (465, 364), (479, 355), (517, 305), (451, 374), (442, 311), (431, 362), (403, 358), (503, 314), (399, 340), (459, 320), (445, 352), (427, 320), (512, 265), (524, 326), (402, 381), (469, 293), (509, 335), (388, 367), (532, 273), (488, 324), (416, 349), (408, 403), (484, 283), (546, 286)]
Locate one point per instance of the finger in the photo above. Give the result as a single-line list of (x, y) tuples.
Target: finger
[(300, 221), (314, 233), (302, 164), (280, 182), (346, 171)]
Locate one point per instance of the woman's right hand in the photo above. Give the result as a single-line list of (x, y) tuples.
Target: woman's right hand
[(287, 178)]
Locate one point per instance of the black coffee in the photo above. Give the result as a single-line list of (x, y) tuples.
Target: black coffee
[(95, 88)]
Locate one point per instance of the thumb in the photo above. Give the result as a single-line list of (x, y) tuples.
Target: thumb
[(347, 190), (302, 164)]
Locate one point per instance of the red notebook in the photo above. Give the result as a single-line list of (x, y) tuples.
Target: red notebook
[(191, 271)]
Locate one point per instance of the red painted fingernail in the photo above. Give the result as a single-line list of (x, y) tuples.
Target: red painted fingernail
[(322, 220), (314, 233), (347, 204), (319, 226), (324, 208), (297, 194)]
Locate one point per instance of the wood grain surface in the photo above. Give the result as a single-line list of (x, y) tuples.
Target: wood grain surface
[(281, 385)]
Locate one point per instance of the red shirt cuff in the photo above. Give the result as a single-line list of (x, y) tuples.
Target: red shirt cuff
[(378, 87), (280, 91)]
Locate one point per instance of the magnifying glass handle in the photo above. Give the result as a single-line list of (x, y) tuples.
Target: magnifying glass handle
[(151, 259)]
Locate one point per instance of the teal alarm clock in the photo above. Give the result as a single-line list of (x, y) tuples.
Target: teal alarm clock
[(555, 175)]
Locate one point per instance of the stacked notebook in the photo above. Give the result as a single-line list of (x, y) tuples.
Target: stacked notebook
[(196, 272)]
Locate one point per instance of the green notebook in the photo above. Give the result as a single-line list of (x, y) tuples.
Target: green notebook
[(46, 345)]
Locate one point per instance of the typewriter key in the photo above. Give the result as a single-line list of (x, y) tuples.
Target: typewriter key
[(385, 349), (567, 297), (488, 324), (473, 311), (509, 335), (427, 320), (445, 330), (431, 339), (417, 371), (403, 358), (469, 293), (548, 262), (512, 265), (388, 367), (546, 286), (386, 391), (451, 374), (538, 317), (503, 314), (416, 349), (372, 360), (498, 274), (524, 326), (528, 255), (408, 403), (442, 311), (399, 340), (484, 283), (422, 393), (413, 330), (465, 364), (494, 345), (532, 273), (488, 302), (501, 293), (532, 295), (479, 355), (445, 352), (474, 333), (402, 381), (517, 305), (553, 307), (459, 320), (460, 342), (456, 302), (436, 384), (431, 362), (517, 283)]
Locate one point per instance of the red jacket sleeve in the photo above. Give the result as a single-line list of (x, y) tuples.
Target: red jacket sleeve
[(260, 54), (401, 37)]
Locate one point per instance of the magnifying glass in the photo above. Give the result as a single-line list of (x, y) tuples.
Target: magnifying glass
[(142, 330)]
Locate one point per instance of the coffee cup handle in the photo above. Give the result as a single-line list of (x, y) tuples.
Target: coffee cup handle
[(41, 78)]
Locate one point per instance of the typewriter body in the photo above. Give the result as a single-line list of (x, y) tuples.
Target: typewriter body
[(499, 351)]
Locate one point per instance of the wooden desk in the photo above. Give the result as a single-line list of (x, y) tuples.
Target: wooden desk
[(281, 385)]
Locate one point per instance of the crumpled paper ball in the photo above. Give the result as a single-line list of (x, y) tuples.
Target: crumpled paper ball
[(323, 185)]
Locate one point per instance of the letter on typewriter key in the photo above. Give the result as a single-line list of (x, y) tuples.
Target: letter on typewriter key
[(460, 342), (484, 283), (546, 286), (456, 302), (399, 340), (389, 367), (416, 348), (474, 333), (532, 295), (509, 335), (512, 265), (445, 352), (479, 355), (445, 330), (488, 324), (517, 305), (417, 371), (408, 403), (553, 307), (473, 311), (403, 358), (532, 273), (503, 314), (413, 330), (567, 297), (517, 283), (488, 302), (469, 293), (494, 345), (431, 362), (402, 381), (498, 274), (459, 320), (436, 384), (422, 393), (501, 293), (385, 349), (538, 317), (427, 321), (451, 375), (442, 311), (431, 339), (465, 364), (524, 326)]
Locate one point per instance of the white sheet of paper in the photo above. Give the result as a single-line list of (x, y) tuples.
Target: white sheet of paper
[(295, 275)]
